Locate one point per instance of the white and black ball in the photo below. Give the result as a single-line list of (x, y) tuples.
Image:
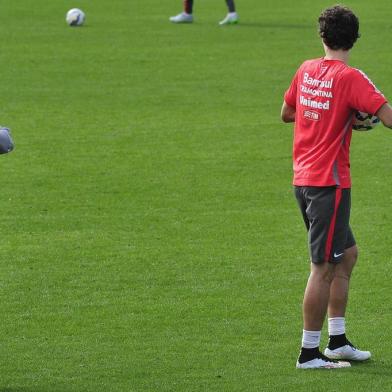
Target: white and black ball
[(364, 121), (75, 17)]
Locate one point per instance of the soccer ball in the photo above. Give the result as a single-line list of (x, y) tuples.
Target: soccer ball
[(6, 142), (75, 17), (364, 121)]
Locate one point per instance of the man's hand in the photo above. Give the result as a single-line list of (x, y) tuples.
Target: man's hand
[(287, 113), (385, 114)]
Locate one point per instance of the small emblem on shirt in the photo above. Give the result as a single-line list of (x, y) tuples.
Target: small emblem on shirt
[(311, 115)]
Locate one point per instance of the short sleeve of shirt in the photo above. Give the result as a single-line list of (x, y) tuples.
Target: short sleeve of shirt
[(290, 96), (363, 94)]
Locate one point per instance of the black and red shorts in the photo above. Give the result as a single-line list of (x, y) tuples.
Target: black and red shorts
[(326, 212)]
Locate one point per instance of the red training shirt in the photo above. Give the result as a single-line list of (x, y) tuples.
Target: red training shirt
[(325, 95)]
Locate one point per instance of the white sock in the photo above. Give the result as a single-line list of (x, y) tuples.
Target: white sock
[(232, 13), (311, 339), (336, 326)]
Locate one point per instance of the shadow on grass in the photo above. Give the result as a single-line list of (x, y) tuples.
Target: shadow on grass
[(371, 367), (286, 26)]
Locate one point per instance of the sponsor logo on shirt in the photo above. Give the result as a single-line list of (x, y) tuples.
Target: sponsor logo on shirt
[(317, 83), (316, 89), (313, 104), (311, 115), (316, 93)]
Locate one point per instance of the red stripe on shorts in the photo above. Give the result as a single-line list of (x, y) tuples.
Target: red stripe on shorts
[(331, 231)]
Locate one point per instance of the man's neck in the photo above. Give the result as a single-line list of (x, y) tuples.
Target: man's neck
[(341, 55)]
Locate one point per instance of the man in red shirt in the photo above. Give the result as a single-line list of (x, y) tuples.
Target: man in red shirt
[(321, 100)]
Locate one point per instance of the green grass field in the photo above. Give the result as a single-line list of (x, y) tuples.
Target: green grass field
[(150, 240)]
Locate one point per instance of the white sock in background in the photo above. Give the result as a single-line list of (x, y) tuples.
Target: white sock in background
[(336, 326)]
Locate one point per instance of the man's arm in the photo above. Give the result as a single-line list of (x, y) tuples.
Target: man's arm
[(288, 113), (385, 115)]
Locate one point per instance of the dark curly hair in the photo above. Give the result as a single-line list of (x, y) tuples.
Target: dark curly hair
[(338, 27)]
